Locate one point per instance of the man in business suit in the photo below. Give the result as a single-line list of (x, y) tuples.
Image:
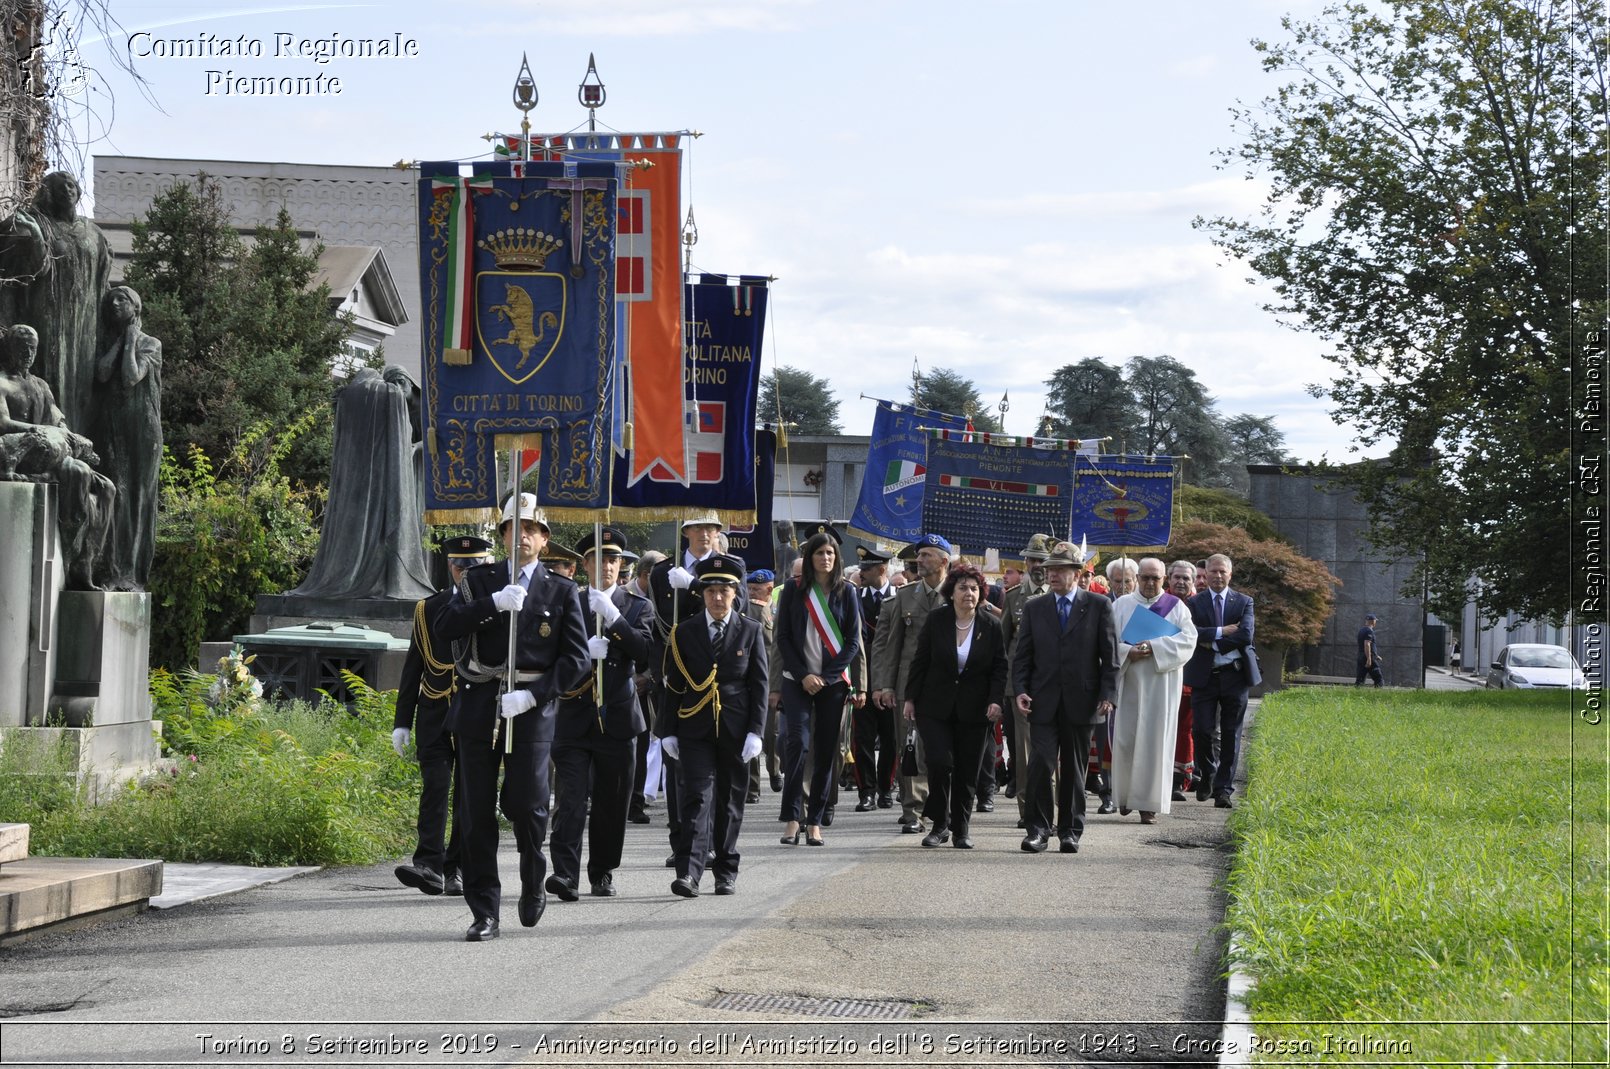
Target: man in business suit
[(1064, 673), (872, 733), (514, 729), (715, 687), (595, 736), (1223, 668), (423, 696), (1017, 730)]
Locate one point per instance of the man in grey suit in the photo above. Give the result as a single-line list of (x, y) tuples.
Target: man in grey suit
[(1064, 672)]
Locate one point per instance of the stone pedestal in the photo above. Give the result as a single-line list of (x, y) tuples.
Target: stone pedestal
[(31, 572), (105, 757), (103, 658)]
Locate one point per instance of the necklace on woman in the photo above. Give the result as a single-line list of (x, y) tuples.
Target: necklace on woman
[(965, 626)]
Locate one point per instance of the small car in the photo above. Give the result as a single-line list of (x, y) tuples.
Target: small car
[(1528, 665)]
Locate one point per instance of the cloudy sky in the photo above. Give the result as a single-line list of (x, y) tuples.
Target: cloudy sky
[(999, 189)]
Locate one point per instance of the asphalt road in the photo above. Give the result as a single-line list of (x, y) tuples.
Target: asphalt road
[(990, 956)]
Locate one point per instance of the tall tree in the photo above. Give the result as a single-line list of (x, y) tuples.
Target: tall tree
[(951, 392), (1090, 400), (808, 405), (1174, 415), (245, 337), (1251, 440), (1437, 212)]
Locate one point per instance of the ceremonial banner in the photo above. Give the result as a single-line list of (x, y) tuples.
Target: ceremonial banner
[(890, 507), (755, 543), (518, 344), (720, 381), (648, 279), (1124, 502), (995, 494)]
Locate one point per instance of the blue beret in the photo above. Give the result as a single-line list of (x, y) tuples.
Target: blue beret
[(936, 541), (762, 575)]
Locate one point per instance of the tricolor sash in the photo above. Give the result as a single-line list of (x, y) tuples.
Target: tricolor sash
[(826, 624)]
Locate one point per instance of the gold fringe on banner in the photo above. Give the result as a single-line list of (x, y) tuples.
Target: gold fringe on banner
[(446, 517), (728, 517)]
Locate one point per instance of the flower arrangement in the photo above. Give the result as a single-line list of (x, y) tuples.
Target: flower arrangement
[(235, 689)]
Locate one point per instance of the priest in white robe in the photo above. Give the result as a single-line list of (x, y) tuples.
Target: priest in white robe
[(1152, 649)]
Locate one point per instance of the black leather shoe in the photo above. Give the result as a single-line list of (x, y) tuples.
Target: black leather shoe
[(937, 837), (1011, 790), (776, 783), (1203, 792), (986, 806), (421, 879), (827, 817), (866, 805), (605, 887), (1070, 845), (962, 842), (532, 905), (1125, 811), (670, 862), (1222, 800), (638, 815), (885, 801), (453, 886), (482, 930), (684, 887), (1107, 806), (563, 886), (1034, 844), (1177, 795), (1021, 823), (752, 798), (914, 828), (727, 885)]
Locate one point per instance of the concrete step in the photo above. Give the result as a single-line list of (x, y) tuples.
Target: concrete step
[(13, 842), (50, 892)]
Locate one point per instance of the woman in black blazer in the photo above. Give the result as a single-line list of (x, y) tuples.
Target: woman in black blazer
[(816, 612), (958, 675)]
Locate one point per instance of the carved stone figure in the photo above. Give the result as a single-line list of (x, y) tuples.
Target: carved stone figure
[(37, 446), (372, 543), (54, 267), (126, 426)]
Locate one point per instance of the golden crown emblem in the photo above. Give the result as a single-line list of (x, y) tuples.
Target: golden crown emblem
[(520, 248)]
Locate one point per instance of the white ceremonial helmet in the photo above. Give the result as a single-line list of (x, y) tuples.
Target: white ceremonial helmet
[(528, 511)]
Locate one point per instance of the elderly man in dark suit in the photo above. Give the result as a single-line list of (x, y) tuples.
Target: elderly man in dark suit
[(513, 729), (595, 738), (715, 688), (1064, 672), (1220, 672)]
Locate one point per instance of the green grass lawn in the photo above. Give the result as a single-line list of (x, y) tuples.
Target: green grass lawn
[(1413, 868)]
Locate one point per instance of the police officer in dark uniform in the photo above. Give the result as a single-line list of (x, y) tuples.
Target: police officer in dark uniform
[(873, 729), (560, 561), (595, 739), (671, 585), (514, 730), (715, 686), (423, 696)]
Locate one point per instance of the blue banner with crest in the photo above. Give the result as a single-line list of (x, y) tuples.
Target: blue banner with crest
[(890, 506), (1123, 501), (995, 494), (518, 339)]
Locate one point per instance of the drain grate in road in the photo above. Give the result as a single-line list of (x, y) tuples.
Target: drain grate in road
[(880, 1009)]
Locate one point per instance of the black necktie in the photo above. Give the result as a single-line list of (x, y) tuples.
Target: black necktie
[(719, 637)]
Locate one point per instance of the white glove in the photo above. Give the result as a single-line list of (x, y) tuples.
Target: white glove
[(598, 647), (600, 603), (751, 748), (668, 746), (680, 578), (399, 740), (510, 599), (516, 702)]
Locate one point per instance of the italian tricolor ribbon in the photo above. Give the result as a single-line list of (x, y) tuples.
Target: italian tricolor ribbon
[(457, 311), (827, 625)]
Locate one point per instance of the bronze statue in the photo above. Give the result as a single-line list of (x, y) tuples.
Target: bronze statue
[(127, 429), (37, 446), (372, 542), (54, 267)]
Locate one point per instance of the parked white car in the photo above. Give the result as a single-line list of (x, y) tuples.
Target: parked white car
[(1527, 665)]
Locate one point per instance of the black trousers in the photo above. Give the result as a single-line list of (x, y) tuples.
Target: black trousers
[(872, 740), (1373, 672), (711, 788), (1059, 749), (438, 765), (811, 723), (1219, 705), (523, 797), (601, 768), (955, 751)]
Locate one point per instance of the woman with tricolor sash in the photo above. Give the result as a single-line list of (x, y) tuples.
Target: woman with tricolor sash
[(818, 634)]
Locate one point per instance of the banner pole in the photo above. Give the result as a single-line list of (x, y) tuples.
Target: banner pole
[(598, 618), (514, 577)]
